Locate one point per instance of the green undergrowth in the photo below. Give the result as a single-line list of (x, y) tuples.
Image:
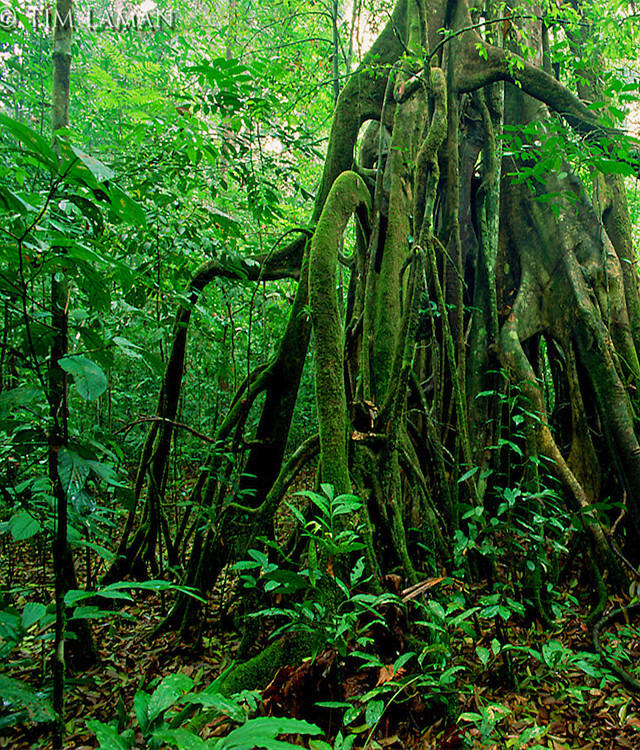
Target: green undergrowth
[(343, 660)]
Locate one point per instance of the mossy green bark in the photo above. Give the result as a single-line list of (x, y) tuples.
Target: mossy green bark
[(348, 192), (256, 673), (408, 127)]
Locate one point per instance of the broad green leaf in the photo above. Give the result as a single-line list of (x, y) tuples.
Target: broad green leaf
[(95, 613), (262, 733), (72, 597), (447, 677), (171, 688), (32, 613), (468, 474), (127, 347), (153, 585), (11, 619), (126, 498), (105, 554), (483, 654), (73, 471), (126, 208), (23, 525), (283, 581), (345, 743), (223, 705), (402, 660), (552, 653), (588, 669), (12, 202), (105, 472), (612, 166), (89, 379), (31, 140), (180, 738), (154, 363), (95, 287), (17, 693), (373, 712), (99, 170), (328, 490), (141, 707), (469, 716), (92, 212), (107, 736)]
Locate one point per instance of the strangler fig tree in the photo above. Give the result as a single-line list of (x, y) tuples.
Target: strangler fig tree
[(493, 265)]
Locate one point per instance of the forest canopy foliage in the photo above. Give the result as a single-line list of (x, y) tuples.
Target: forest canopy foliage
[(385, 254)]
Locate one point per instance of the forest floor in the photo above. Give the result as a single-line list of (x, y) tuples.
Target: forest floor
[(546, 690)]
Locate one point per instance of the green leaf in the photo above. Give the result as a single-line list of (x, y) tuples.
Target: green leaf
[(126, 498), (299, 516), (261, 733), (447, 677), (89, 379), (351, 714), (328, 490), (469, 716), (612, 166), (72, 597), (141, 708), (468, 474), (483, 654), (402, 660), (17, 693), (180, 738), (73, 472), (587, 668), (106, 472), (220, 703), (38, 146), (32, 613), (127, 347), (126, 208), (552, 653), (93, 613), (285, 581), (319, 745), (154, 585), (23, 525), (108, 737), (100, 171), (154, 363), (333, 704), (103, 552), (373, 712), (171, 688), (348, 742), (13, 202)]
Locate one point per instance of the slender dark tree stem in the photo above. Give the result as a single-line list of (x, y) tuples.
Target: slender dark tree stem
[(58, 435)]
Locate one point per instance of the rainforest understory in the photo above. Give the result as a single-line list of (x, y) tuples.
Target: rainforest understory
[(489, 342), (472, 506)]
